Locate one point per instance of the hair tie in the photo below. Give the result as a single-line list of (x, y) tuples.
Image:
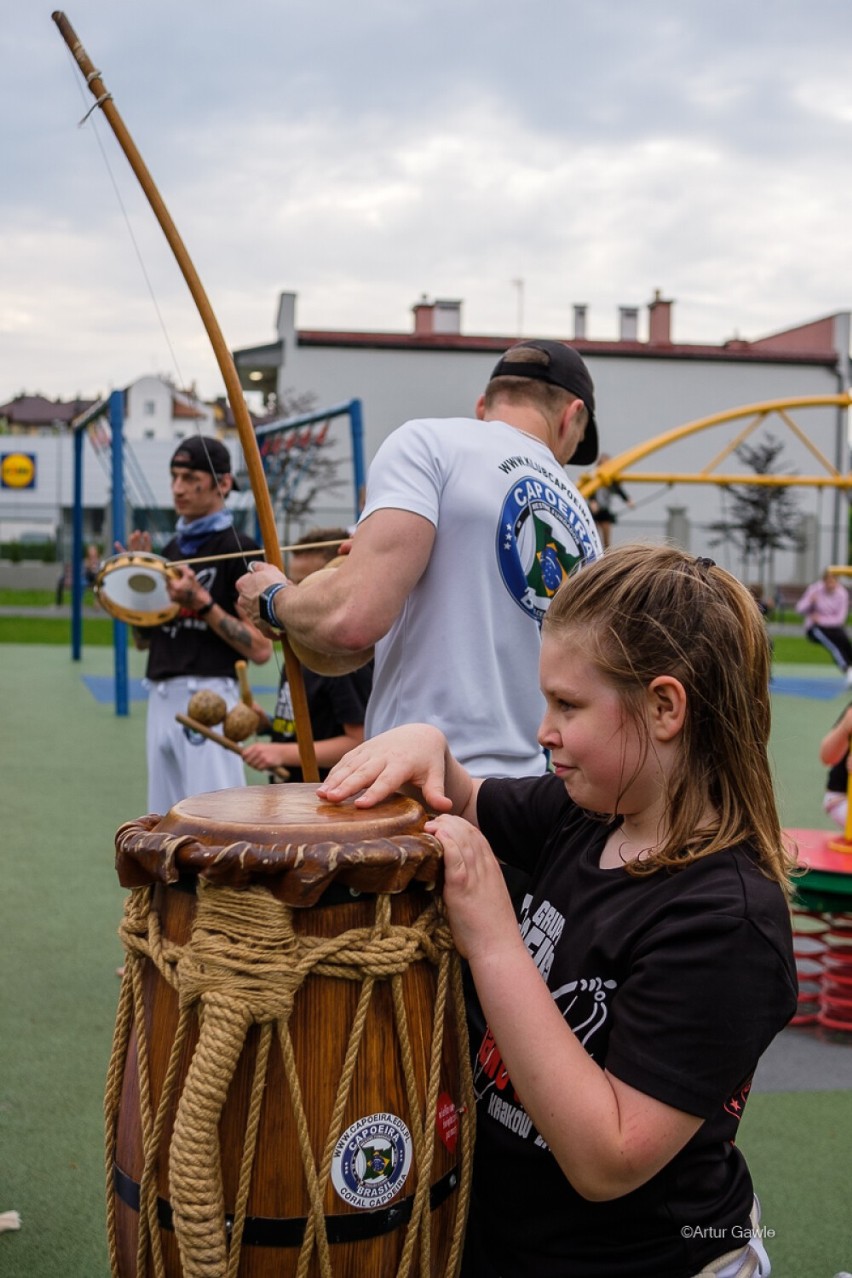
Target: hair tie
[(703, 562)]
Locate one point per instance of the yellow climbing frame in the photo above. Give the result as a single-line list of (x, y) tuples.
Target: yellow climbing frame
[(753, 416)]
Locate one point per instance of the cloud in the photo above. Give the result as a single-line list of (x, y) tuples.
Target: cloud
[(363, 155)]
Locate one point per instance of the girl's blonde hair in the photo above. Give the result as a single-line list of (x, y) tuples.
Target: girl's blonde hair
[(643, 611)]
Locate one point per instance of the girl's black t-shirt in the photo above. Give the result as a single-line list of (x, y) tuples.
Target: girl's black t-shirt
[(675, 983)]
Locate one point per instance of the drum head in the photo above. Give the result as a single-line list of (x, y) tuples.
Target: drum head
[(132, 587)]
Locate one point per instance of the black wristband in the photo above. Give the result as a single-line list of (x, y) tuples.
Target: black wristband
[(204, 609), (266, 606)]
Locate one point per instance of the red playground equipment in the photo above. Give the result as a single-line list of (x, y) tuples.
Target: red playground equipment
[(822, 926)]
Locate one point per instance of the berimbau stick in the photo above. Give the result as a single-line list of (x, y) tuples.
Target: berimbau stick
[(241, 668), (257, 554), (227, 367)]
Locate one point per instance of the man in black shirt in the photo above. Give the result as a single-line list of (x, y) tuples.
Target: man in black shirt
[(199, 647)]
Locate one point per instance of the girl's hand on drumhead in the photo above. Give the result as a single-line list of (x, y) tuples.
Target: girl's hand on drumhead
[(376, 769)]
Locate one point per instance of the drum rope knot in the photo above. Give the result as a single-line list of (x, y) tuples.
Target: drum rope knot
[(242, 965)]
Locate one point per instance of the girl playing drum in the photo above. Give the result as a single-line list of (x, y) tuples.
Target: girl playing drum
[(620, 1018)]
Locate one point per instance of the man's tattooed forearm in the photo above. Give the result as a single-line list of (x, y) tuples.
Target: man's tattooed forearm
[(237, 634)]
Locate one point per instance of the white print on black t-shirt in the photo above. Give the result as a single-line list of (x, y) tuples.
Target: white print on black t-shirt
[(541, 932), (583, 1004), (591, 996)]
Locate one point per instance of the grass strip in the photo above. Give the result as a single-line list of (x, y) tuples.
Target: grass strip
[(55, 630)]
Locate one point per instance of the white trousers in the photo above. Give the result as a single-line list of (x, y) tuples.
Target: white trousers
[(837, 806), (750, 1261), (182, 762)]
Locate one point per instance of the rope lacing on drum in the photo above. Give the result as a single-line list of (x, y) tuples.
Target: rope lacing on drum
[(243, 965)]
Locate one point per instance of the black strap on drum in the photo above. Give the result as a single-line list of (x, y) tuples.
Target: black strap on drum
[(264, 1231)]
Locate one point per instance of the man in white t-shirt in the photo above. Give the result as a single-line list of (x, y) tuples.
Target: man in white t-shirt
[(470, 525)]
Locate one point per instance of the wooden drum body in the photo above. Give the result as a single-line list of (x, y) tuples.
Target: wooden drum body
[(289, 1091)]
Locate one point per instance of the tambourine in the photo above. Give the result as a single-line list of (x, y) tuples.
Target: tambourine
[(132, 586)]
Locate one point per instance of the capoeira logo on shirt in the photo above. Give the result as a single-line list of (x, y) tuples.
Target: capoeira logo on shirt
[(541, 540)]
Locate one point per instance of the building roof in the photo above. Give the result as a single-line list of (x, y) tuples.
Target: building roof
[(36, 410), (778, 349), (180, 408)]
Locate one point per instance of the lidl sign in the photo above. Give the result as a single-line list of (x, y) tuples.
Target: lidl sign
[(17, 470)]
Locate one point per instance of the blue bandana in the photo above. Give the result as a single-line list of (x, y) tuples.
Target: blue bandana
[(191, 536)]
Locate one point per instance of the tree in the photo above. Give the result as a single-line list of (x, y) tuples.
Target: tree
[(299, 462), (763, 518)]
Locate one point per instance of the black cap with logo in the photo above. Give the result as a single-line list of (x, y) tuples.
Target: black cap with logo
[(563, 368), (202, 452)]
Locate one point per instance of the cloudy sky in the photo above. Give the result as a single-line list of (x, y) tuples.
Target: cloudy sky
[(364, 154)]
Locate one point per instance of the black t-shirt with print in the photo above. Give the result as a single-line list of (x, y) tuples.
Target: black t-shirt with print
[(675, 983), (333, 700), (186, 645)]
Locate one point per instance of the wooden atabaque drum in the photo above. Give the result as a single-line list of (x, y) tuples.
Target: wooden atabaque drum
[(289, 1090)]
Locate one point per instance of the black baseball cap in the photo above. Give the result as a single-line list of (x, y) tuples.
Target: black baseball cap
[(563, 368), (202, 452)]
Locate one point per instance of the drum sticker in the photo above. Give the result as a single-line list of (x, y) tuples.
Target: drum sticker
[(371, 1161), (447, 1121)]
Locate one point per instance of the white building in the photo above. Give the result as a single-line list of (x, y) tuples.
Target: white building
[(155, 409), (156, 417), (645, 386)]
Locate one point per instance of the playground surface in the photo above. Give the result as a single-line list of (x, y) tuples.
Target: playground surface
[(73, 772)]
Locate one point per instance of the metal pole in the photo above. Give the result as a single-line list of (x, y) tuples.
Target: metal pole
[(356, 419), (77, 551), (840, 546), (119, 629)]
